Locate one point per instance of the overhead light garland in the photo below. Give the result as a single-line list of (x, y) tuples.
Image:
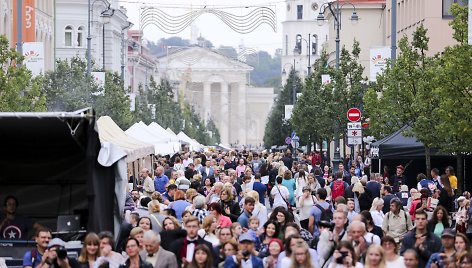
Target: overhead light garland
[(171, 24)]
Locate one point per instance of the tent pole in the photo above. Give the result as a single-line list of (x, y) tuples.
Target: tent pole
[(380, 166), (134, 178)]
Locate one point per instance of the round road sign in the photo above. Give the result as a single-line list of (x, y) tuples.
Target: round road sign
[(354, 115)]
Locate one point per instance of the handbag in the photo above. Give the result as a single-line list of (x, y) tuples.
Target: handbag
[(289, 206)]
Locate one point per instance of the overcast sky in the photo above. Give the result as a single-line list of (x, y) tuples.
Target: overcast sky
[(211, 27)]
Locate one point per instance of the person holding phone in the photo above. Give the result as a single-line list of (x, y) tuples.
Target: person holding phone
[(344, 256)]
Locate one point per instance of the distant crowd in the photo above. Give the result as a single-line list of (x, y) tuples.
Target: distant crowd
[(260, 209)]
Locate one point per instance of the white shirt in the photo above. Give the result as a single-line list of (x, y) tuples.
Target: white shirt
[(190, 250), (278, 200), (378, 217), (152, 260), (186, 162), (398, 263), (372, 238)]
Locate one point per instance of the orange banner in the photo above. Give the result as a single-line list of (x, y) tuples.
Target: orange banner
[(28, 21)]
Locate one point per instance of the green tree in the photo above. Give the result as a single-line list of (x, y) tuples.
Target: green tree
[(314, 111), (114, 102), (277, 128), (453, 119), (215, 136), (19, 91), (68, 88), (167, 111), (142, 109), (404, 94)]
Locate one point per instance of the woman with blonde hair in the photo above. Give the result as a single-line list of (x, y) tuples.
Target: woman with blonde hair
[(138, 234), (376, 211), (301, 257), (90, 251), (230, 208), (375, 257), (155, 216), (208, 231)]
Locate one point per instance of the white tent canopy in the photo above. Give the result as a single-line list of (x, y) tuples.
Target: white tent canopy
[(109, 131), (158, 130), (141, 132), (194, 145)]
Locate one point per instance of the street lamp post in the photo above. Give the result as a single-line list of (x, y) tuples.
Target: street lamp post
[(294, 90), (105, 13), (123, 47), (336, 13), (308, 51)]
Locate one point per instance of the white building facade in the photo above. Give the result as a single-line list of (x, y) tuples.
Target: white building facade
[(107, 38), (303, 38), (217, 87)]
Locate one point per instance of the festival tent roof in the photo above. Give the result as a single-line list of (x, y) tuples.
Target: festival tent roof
[(158, 130), (194, 145), (141, 132), (170, 131), (109, 131), (398, 145)]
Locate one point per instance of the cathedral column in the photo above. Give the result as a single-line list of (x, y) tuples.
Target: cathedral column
[(242, 124), (206, 101), (224, 116)]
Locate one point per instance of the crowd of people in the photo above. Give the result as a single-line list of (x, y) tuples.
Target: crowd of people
[(247, 209)]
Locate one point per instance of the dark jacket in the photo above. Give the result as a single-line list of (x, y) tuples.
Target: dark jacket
[(234, 210), (432, 244), (167, 237), (176, 247), (142, 264), (365, 200)]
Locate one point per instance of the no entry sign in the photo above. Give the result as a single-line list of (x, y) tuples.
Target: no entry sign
[(354, 115)]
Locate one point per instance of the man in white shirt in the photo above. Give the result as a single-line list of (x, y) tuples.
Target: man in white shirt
[(187, 160), (148, 185)]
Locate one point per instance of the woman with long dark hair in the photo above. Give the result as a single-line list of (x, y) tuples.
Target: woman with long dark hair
[(439, 221), (202, 258), (271, 230)]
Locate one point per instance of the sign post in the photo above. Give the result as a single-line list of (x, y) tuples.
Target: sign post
[(354, 129)]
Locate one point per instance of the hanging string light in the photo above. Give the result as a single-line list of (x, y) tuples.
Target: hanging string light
[(172, 24)]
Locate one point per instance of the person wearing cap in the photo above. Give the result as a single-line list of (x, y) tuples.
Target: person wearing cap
[(422, 240), (448, 251), (52, 258), (404, 195), (245, 257), (398, 179)]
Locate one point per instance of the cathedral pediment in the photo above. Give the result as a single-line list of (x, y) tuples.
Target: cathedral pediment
[(198, 58)]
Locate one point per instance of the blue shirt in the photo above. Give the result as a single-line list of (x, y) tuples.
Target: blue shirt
[(261, 189), (160, 183), (179, 207), (243, 219), (316, 213), (27, 259)]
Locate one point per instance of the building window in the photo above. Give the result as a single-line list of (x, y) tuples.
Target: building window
[(298, 44), (446, 6), (68, 36), (299, 12), (80, 36), (314, 45), (286, 45)]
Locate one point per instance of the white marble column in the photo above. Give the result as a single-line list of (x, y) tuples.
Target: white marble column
[(206, 101), (242, 125), (224, 116)]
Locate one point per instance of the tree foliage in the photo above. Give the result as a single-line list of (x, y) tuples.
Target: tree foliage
[(277, 128), (19, 91), (320, 112)]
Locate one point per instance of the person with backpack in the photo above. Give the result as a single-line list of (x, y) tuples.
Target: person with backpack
[(397, 222), (34, 258), (338, 186), (321, 212)]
